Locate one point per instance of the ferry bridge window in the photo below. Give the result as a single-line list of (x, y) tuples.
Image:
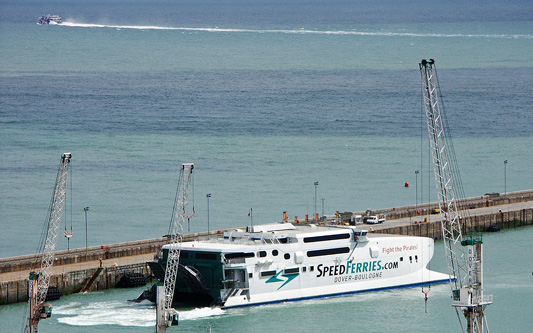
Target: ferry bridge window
[(274, 252), (250, 275), (262, 254), (304, 269), (312, 268), (287, 256)]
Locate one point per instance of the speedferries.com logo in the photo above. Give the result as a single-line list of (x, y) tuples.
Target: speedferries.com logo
[(353, 271)]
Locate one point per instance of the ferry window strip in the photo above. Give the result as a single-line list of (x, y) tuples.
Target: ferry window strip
[(292, 270), (327, 252), (268, 273), (326, 238), (262, 254), (239, 255), (206, 256)]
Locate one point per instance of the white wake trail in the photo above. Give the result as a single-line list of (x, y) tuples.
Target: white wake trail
[(297, 31), (121, 314)]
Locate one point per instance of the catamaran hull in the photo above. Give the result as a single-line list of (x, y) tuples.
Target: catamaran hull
[(283, 263)]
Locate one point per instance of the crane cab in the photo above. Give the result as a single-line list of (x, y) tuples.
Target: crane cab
[(46, 311), (172, 317)]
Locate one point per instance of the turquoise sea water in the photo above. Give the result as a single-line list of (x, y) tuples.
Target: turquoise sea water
[(265, 98)]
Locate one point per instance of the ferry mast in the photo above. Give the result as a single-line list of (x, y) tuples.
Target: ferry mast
[(166, 315), (39, 282), (464, 254)]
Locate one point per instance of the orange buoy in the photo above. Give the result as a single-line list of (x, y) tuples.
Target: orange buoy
[(406, 184)]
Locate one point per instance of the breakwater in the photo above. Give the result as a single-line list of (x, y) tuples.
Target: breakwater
[(487, 200), (102, 267), (73, 281), (505, 220)]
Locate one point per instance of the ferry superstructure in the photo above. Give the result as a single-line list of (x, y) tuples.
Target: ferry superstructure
[(284, 262)]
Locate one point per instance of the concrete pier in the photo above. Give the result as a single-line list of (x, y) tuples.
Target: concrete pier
[(73, 269)]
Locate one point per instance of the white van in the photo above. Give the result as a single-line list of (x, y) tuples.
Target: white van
[(356, 219), (372, 219)]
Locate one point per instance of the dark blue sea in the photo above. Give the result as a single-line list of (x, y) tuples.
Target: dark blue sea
[(265, 97)]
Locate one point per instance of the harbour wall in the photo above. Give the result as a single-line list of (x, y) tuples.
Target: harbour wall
[(487, 200), (73, 282), (478, 223)]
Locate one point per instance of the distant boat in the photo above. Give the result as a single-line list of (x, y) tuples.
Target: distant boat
[(50, 19)]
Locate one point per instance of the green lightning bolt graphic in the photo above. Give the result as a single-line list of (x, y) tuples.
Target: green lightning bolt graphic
[(276, 278)]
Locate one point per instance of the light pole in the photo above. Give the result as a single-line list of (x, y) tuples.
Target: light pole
[(208, 195), (314, 216), (416, 188), (505, 176), (86, 209)]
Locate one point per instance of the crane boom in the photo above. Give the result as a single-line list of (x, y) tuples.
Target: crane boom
[(166, 315), (38, 283), (442, 168), (464, 254)]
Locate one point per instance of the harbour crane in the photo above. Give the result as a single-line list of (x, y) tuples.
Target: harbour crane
[(166, 316), (464, 254), (39, 282)]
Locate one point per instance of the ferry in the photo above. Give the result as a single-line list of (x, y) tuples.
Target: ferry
[(283, 262), (50, 19)]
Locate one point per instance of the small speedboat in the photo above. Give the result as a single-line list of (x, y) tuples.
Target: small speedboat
[(50, 19)]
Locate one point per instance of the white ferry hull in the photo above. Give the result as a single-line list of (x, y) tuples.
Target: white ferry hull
[(280, 263), (409, 281)]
